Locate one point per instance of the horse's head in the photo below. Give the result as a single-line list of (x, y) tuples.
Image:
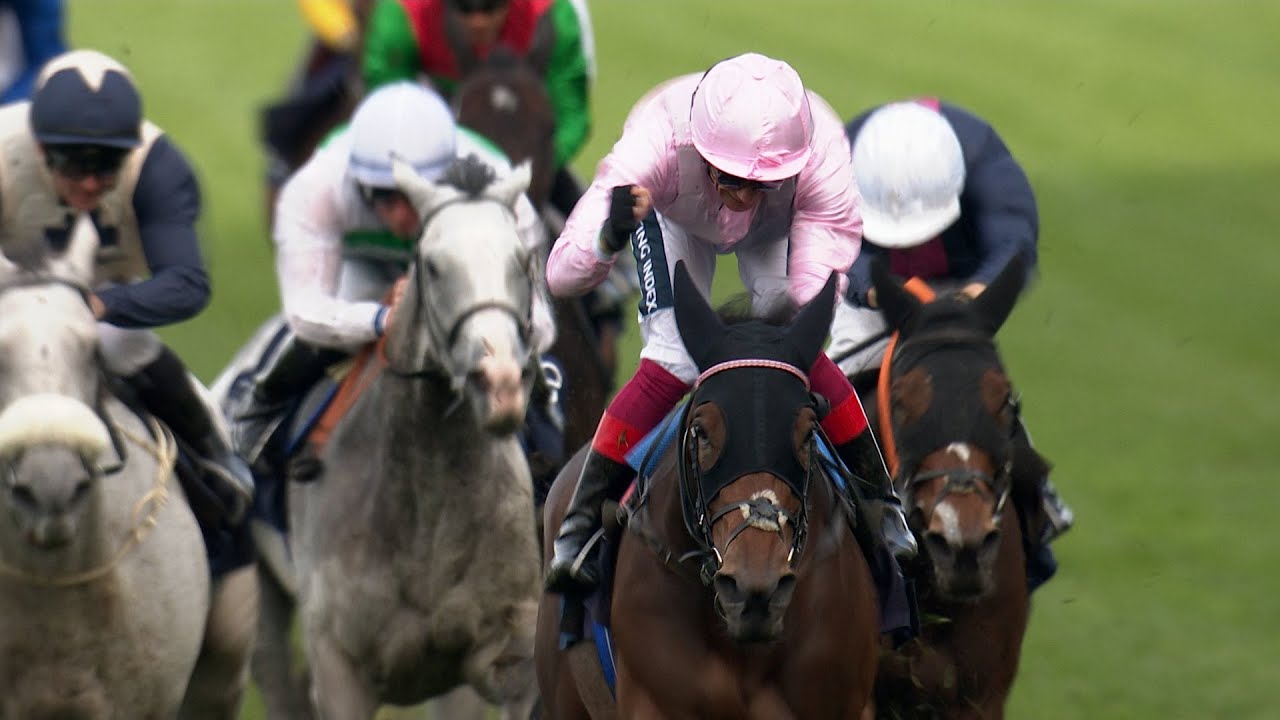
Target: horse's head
[(466, 311), (748, 453), (51, 437), (953, 413), (506, 100)]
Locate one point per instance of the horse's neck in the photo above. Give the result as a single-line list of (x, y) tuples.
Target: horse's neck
[(411, 437)]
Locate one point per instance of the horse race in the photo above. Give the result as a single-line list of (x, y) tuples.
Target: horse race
[(575, 359)]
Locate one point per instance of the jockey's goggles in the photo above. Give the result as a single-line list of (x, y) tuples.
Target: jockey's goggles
[(373, 196), (487, 7), (78, 162), (733, 182)]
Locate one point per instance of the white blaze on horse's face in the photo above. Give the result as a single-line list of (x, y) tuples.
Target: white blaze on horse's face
[(475, 278)]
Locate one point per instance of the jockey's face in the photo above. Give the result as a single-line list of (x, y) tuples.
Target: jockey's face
[(481, 19), (82, 174), (395, 211)]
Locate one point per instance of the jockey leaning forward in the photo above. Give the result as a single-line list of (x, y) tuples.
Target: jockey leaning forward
[(344, 234), (81, 145), (740, 159), (943, 200), (447, 39)]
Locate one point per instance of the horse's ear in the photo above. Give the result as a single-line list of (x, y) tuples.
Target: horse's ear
[(892, 297), (509, 188), (995, 303), (77, 261), (808, 331), (700, 327), (425, 196)]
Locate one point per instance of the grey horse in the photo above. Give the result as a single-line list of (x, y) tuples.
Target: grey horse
[(106, 606), (415, 564)]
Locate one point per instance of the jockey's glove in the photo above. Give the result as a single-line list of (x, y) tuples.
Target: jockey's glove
[(617, 230)]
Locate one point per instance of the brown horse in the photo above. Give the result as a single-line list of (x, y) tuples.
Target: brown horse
[(506, 101), (740, 591), (952, 448)]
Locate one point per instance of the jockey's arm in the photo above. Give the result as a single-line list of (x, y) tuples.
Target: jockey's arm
[(826, 230), (568, 82), (166, 202), (390, 47), (308, 237), (641, 157), (998, 198)]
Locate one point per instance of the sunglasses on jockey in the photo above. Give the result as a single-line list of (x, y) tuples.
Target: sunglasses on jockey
[(486, 7), (733, 182), (78, 162), (374, 196)]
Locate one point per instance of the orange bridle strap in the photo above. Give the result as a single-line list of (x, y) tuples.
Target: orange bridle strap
[(921, 290)]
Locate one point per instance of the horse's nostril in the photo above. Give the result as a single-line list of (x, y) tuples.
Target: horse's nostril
[(23, 496), (727, 588), (991, 541), (80, 493), (786, 585)]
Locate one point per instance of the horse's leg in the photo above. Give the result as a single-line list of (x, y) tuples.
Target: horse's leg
[(337, 690), (283, 686), (221, 673)]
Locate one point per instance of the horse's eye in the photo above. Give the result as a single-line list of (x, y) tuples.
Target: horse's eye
[(430, 268), (701, 435)]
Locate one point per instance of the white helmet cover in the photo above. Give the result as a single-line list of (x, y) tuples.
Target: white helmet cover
[(407, 120), (910, 170)]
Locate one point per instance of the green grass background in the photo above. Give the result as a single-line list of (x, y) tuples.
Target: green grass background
[(1147, 352)]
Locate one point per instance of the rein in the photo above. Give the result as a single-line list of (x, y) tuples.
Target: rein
[(146, 512)]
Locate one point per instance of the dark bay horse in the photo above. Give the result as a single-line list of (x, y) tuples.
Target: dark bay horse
[(952, 450), (506, 101), (740, 591)]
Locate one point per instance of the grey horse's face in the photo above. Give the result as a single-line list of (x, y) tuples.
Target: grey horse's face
[(472, 288), (50, 437)]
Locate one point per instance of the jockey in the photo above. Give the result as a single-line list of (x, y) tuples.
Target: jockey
[(30, 36), (446, 39), (82, 145), (740, 159), (945, 201), (344, 234)]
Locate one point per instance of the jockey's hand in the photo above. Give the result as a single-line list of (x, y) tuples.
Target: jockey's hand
[(627, 207), (95, 305), (974, 289)]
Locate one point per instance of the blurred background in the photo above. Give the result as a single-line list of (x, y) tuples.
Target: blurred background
[(1146, 352)]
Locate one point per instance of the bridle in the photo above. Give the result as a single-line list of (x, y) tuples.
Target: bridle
[(444, 334), (761, 511), (959, 480)]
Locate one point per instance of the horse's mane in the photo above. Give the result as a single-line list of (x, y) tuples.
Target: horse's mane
[(469, 174)]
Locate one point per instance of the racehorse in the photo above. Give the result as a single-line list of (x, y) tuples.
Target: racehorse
[(952, 449), (106, 607), (414, 548), (506, 100), (740, 591)]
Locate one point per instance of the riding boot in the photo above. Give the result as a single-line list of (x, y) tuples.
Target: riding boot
[(255, 411), (170, 394), (1056, 518), (574, 569), (862, 456)]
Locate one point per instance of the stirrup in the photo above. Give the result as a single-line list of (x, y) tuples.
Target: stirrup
[(1060, 518), (897, 535), (570, 579)]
